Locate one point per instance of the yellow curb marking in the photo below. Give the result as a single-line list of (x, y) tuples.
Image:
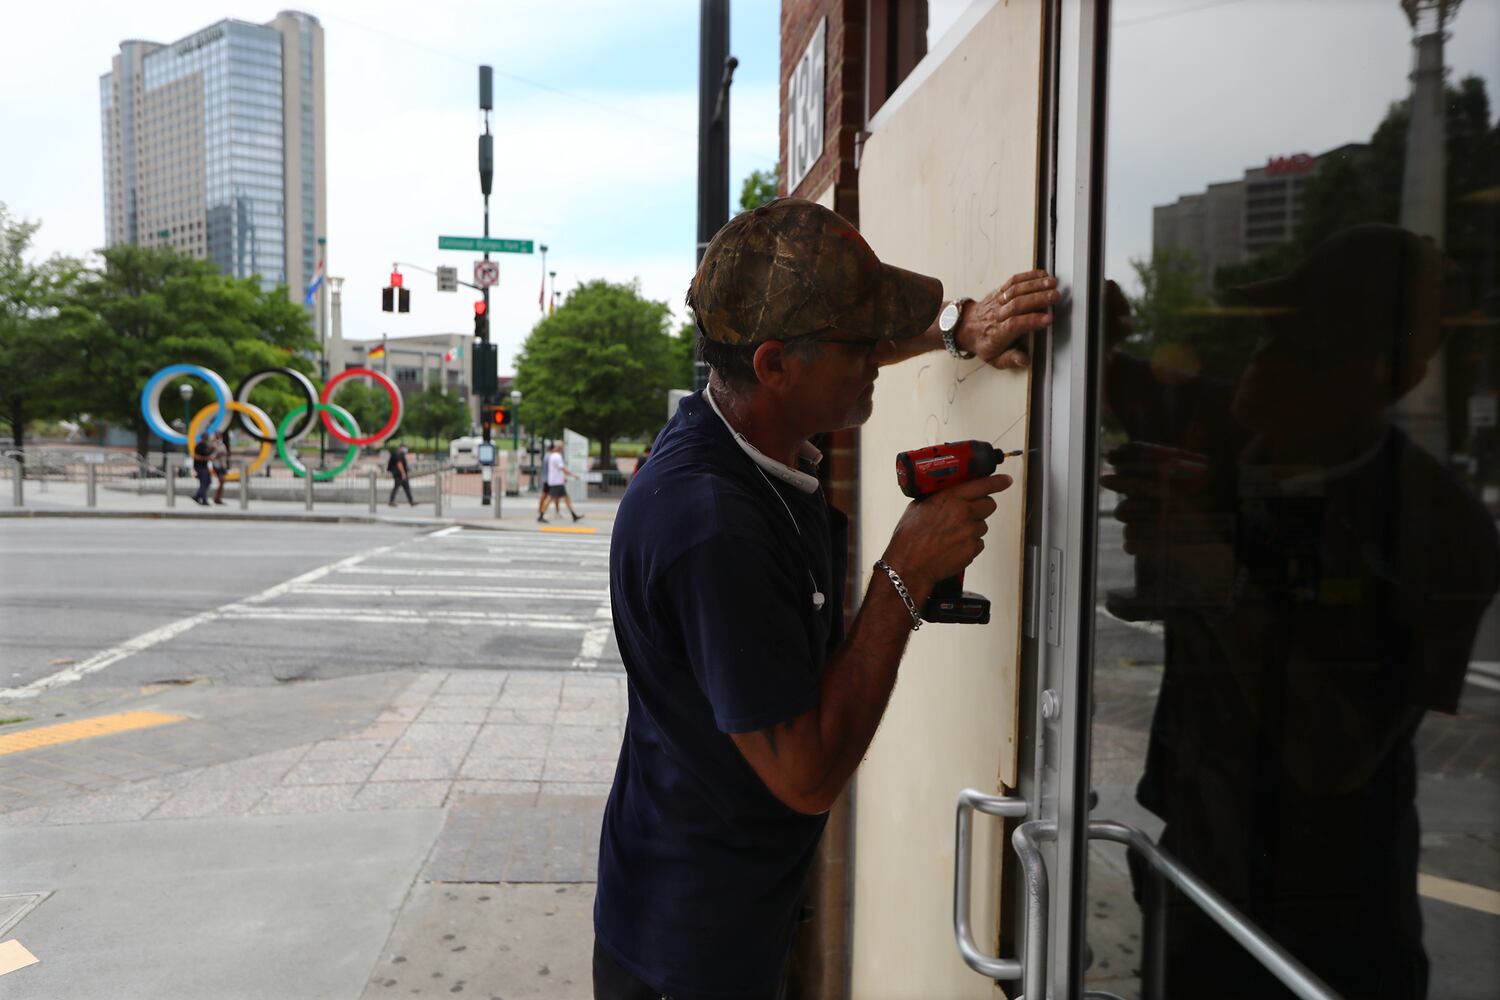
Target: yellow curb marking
[(571, 531), (83, 729), (13, 956), (1446, 890)]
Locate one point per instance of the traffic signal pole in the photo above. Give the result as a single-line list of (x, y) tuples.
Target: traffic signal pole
[(486, 176), (715, 72)]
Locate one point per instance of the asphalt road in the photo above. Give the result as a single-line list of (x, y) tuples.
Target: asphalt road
[(242, 603)]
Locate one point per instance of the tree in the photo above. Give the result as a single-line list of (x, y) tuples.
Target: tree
[(149, 307), (433, 413), (370, 407), (758, 189), (601, 365), (37, 338), (680, 353)]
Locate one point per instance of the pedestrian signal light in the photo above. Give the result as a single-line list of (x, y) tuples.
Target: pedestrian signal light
[(479, 308)]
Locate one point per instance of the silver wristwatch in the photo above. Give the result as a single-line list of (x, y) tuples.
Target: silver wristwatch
[(948, 324)]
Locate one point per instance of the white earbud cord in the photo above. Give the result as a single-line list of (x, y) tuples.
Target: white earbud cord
[(817, 596)]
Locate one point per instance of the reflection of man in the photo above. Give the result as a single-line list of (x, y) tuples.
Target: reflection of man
[(749, 708), (1321, 582)]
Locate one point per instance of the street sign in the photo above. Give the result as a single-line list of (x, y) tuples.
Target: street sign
[(447, 279), (486, 273), (484, 244)]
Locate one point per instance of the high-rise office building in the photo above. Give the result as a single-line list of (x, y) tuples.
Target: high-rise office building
[(214, 145), (1232, 222)]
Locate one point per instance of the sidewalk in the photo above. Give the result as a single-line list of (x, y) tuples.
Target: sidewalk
[(393, 834), (516, 513)]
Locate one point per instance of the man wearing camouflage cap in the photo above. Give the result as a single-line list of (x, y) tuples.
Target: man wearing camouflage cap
[(750, 706)]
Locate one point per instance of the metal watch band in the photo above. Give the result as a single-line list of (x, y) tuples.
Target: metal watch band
[(950, 339), (911, 607)]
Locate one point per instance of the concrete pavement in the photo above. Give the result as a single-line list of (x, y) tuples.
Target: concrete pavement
[(461, 505), (327, 839), (377, 775)]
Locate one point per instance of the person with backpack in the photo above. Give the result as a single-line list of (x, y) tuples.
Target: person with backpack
[(202, 455), (400, 472)]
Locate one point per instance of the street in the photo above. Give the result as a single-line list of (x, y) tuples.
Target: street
[(361, 598)]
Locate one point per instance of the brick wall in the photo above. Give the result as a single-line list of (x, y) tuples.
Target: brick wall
[(821, 951)]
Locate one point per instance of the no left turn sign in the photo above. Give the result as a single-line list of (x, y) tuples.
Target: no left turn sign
[(486, 273)]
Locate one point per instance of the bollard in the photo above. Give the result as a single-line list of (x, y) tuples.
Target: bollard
[(437, 494), (18, 495), (91, 477), (244, 486), (307, 485), (171, 484), (374, 494)]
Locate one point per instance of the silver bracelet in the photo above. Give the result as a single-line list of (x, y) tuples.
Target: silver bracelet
[(911, 607)]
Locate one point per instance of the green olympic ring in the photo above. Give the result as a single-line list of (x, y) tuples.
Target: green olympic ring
[(298, 469)]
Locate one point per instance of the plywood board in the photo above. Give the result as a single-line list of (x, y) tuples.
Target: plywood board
[(948, 186)]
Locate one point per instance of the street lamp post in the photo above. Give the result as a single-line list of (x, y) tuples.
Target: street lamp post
[(186, 392), (515, 434)]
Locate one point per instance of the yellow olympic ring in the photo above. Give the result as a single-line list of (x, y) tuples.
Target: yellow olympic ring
[(255, 413)]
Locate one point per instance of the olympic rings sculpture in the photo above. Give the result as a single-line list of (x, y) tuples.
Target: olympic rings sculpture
[(257, 423)]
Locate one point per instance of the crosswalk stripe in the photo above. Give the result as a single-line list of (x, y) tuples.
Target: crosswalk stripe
[(381, 590), (405, 616), (499, 574)]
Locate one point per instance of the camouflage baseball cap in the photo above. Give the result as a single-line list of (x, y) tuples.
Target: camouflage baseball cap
[(793, 268)]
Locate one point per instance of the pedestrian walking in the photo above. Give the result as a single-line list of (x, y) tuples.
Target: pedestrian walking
[(749, 707), (220, 462), (203, 453), (400, 472), (556, 493)]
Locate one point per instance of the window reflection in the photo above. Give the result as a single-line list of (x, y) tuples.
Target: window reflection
[(1299, 555)]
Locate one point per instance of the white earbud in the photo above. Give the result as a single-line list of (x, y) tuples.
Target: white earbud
[(817, 600)]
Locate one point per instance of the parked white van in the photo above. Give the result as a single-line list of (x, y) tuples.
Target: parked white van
[(463, 453)]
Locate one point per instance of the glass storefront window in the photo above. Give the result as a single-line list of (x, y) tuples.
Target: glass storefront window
[(1296, 668)]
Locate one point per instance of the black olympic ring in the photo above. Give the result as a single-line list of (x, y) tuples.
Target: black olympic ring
[(255, 378)]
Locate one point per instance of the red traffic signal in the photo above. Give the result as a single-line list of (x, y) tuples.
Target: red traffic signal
[(395, 279), (479, 308)]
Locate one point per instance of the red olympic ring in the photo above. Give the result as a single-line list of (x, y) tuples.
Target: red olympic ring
[(390, 390)]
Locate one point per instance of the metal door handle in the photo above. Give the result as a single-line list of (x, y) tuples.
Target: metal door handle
[(1025, 841)]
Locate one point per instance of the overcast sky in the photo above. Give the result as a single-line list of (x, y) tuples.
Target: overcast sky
[(1201, 90), (595, 126), (596, 123)]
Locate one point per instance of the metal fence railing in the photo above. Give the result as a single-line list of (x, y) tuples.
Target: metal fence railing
[(93, 478)]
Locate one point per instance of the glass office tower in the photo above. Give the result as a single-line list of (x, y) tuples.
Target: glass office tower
[(214, 145)]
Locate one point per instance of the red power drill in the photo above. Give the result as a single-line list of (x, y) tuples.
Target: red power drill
[(927, 471)]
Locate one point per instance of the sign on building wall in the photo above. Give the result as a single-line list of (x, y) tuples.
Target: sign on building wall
[(804, 108)]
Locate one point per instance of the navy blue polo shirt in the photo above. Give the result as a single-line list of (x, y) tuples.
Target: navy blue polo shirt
[(701, 868)]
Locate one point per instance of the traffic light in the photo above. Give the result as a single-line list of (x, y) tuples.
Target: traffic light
[(485, 368), (496, 415), (387, 300), (403, 300), (481, 321)]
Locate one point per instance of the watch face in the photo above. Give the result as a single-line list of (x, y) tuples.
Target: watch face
[(949, 319)]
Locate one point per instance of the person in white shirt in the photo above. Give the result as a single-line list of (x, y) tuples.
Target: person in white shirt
[(556, 492)]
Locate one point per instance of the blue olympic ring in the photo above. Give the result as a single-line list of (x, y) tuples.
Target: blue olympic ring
[(151, 400)]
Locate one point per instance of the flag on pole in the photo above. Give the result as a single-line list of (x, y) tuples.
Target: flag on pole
[(312, 288), (454, 353), (376, 352)]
